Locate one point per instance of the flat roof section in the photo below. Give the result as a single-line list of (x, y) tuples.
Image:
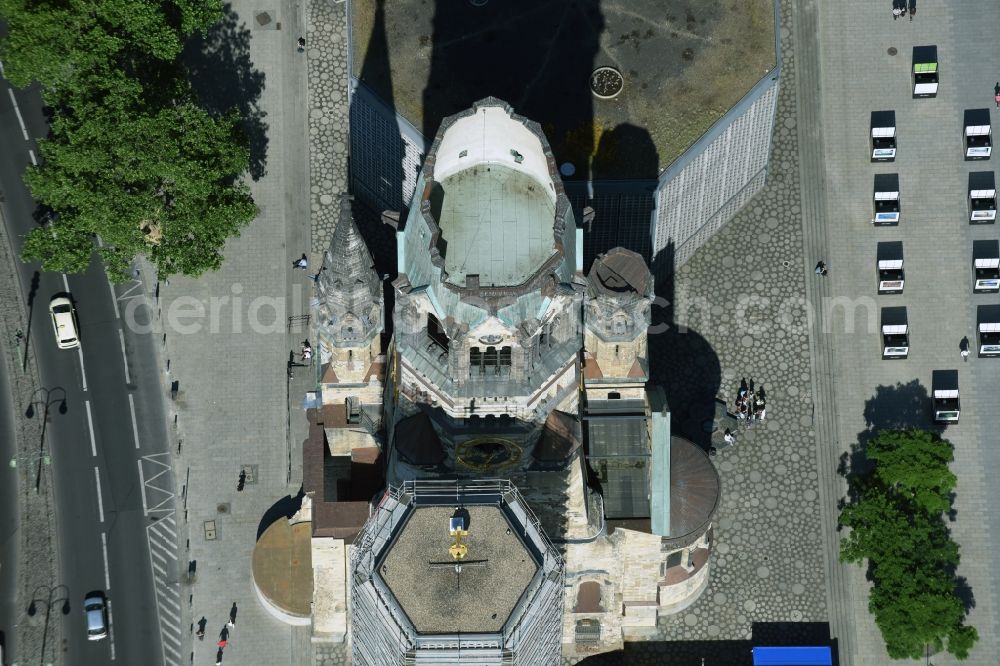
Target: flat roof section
[(684, 64), (421, 574), (496, 223)]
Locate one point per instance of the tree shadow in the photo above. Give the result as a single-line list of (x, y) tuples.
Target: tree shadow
[(225, 79), (891, 408)]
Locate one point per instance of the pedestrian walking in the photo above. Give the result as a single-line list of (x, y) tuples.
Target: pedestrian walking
[(301, 263), (232, 615), (240, 483), (963, 348), (307, 351), (913, 8), (218, 658), (821, 268), (996, 93), (302, 44), (201, 628)]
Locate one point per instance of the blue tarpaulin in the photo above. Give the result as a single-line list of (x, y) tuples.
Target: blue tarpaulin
[(792, 656)]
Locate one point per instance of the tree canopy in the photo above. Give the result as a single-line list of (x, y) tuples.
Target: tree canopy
[(131, 157), (897, 526)]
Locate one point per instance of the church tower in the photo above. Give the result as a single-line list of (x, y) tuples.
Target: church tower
[(349, 311)]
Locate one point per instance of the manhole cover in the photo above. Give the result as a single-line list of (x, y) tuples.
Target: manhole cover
[(892, 50), (785, 263), (222, 508), (263, 18), (606, 82)]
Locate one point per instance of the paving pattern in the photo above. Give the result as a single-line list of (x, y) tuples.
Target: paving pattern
[(326, 50), (741, 299)]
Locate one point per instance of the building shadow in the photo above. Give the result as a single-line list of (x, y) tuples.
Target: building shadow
[(682, 361), (225, 80), (536, 56), (622, 209), (286, 507), (377, 147), (722, 652)]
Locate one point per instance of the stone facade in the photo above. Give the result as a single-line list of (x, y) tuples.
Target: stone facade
[(505, 356)]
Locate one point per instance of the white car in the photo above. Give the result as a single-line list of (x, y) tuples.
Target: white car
[(64, 323)]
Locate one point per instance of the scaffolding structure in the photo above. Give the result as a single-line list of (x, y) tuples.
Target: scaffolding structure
[(383, 635)]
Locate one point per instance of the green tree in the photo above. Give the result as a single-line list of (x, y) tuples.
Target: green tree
[(896, 525), (131, 157)]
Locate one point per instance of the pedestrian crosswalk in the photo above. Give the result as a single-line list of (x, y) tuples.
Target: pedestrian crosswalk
[(161, 536)]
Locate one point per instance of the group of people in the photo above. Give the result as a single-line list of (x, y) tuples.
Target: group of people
[(751, 405), (899, 8), (223, 635)]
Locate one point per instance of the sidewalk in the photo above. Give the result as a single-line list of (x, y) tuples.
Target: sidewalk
[(230, 360)]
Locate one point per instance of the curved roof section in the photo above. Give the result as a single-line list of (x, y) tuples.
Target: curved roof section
[(491, 199), (621, 272), (694, 488)]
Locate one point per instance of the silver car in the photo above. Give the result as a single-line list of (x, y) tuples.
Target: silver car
[(97, 618)]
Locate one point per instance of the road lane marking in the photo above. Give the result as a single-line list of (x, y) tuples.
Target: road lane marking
[(100, 499), (34, 160), (107, 571), (111, 630), (114, 300), (83, 370), (90, 425), (135, 426), (128, 379), (142, 487), (20, 120)]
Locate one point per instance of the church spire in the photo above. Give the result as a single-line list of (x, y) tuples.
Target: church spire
[(350, 291)]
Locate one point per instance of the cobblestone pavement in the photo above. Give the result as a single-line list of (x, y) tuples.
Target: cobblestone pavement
[(326, 47), (740, 298)]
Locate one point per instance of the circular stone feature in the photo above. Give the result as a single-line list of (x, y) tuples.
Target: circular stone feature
[(325, 199), (749, 605), (763, 572), (606, 83), (690, 619)]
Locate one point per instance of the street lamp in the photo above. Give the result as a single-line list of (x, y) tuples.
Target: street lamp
[(48, 600), (46, 397)]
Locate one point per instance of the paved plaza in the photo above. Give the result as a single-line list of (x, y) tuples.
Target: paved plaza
[(739, 299), (865, 59)]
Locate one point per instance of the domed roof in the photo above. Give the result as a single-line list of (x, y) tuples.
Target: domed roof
[(694, 488), (621, 271)]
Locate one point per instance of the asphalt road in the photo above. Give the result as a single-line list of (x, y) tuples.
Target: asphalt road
[(114, 417)]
